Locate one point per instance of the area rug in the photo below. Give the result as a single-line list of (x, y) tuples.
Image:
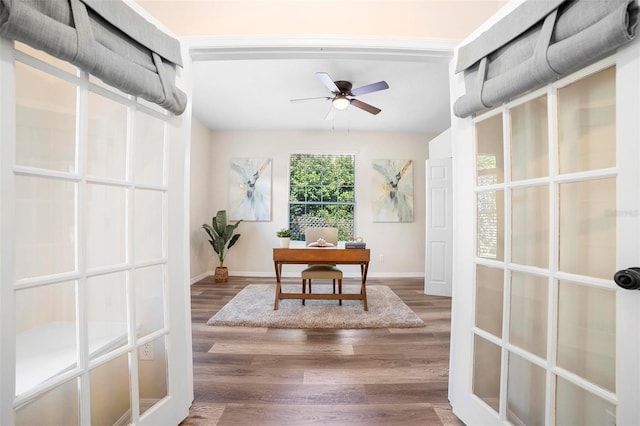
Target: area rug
[(253, 307)]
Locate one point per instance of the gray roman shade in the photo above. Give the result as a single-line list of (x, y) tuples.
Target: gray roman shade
[(105, 38), (538, 42)]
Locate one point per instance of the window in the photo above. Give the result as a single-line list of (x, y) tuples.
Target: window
[(321, 193)]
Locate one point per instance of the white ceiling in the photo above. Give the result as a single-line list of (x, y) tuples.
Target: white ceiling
[(252, 56), (254, 93)]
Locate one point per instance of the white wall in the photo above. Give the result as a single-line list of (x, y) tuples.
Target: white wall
[(200, 200), (441, 145), (400, 244)]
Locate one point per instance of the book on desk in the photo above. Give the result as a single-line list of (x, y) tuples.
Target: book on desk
[(355, 244)]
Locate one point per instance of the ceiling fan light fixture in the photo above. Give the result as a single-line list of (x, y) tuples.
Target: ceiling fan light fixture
[(341, 102)]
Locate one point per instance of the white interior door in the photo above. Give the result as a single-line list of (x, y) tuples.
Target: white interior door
[(541, 334), (95, 313), (439, 229)]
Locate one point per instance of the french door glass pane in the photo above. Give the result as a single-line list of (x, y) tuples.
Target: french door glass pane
[(107, 311), (149, 150), (489, 155), (46, 223), (45, 120), (59, 406), (486, 372), (110, 393), (580, 139), (45, 57), (530, 226), (105, 221), (587, 123), (46, 342), (587, 332), (149, 294), (490, 217), (89, 218), (148, 225), (489, 291), (576, 406), (588, 227), (528, 318), (106, 138), (152, 374), (529, 140), (525, 408)]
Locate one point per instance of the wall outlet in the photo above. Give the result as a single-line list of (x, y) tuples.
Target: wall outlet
[(146, 352)]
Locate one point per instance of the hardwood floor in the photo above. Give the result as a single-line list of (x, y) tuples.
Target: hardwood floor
[(265, 376)]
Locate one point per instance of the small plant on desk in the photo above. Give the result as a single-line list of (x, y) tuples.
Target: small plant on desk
[(285, 237)]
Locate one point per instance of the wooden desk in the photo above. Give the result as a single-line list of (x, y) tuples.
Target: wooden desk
[(320, 255)]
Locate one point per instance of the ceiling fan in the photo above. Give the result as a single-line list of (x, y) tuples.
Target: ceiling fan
[(344, 95)]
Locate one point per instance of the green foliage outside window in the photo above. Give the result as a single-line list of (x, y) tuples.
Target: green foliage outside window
[(321, 193)]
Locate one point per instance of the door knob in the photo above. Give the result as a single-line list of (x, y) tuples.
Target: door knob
[(628, 279)]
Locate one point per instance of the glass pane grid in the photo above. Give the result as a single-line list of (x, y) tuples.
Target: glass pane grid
[(46, 225), (153, 368), (586, 118), (487, 372), (543, 207), (32, 52), (490, 151), (61, 403), (149, 150), (54, 196), (45, 120), (587, 332), (529, 140), (530, 226), (106, 147), (45, 318), (110, 392), (489, 296), (150, 299), (525, 408), (490, 224), (528, 321), (575, 405)]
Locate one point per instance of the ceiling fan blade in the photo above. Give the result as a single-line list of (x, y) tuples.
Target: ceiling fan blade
[(328, 81), (309, 99), (365, 106), (331, 114), (374, 87)]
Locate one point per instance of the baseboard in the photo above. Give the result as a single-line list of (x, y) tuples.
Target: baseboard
[(346, 275), (201, 277), (394, 275)]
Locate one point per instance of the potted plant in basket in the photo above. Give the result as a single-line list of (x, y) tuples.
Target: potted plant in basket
[(285, 237), (221, 239)]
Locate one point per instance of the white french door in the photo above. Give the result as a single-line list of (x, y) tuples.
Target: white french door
[(94, 312), (541, 334)]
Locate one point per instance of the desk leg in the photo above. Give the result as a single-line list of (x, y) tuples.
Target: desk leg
[(364, 268), (278, 267)]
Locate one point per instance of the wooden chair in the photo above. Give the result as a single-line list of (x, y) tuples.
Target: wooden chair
[(324, 271)]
